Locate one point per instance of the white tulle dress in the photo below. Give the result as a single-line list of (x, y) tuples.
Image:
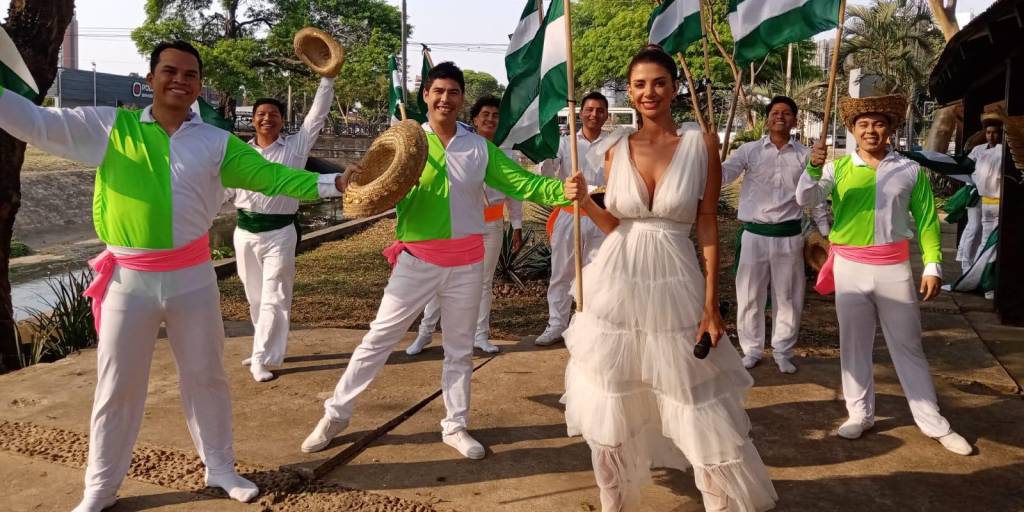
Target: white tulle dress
[(634, 389)]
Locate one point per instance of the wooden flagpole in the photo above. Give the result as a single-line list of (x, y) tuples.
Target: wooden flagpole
[(693, 93), (401, 109), (571, 89), (712, 125), (832, 73), (732, 114)]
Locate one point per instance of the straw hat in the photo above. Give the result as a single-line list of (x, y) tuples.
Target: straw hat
[(893, 106), (991, 119), (816, 249), (319, 51), (391, 167), (1013, 135)]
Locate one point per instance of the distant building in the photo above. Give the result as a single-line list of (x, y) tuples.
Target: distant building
[(69, 48), (75, 89), (823, 54)]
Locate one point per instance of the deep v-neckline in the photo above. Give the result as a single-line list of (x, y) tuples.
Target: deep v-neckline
[(650, 195)]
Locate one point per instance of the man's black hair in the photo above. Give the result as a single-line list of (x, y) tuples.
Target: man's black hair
[(484, 101), (786, 100), (447, 70), (269, 101), (594, 95), (154, 58)]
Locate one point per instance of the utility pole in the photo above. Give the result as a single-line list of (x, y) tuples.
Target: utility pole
[(94, 84), (405, 55)]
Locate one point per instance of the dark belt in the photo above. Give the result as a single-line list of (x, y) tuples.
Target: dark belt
[(254, 222)]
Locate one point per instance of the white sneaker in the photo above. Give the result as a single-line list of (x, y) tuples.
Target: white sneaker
[(465, 444), (487, 346), (326, 430), (750, 361), (786, 365), (422, 340), (94, 504), (259, 372), (956, 443), (853, 429), (549, 337), (990, 295)]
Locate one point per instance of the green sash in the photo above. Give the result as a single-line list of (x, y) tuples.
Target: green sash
[(259, 222), (957, 204), (783, 229)]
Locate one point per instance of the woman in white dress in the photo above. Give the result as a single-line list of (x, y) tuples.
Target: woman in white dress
[(634, 388)]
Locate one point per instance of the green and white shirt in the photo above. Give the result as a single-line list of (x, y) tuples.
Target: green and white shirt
[(877, 206), (154, 191), (448, 201)]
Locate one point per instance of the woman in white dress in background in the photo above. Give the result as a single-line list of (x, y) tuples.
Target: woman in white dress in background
[(634, 389)]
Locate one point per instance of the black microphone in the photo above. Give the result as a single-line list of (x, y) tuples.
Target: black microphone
[(703, 347)]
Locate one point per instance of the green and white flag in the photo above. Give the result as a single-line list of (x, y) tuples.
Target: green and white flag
[(674, 25), (420, 112), (208, 113), (395, 90), (14, 74), (942, 163), (535, 64), (760, 26), (981, 276)]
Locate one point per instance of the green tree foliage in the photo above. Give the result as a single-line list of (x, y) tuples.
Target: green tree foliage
[(479, 84), (249, 44)]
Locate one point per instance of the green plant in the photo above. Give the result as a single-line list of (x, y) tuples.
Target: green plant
[(219, 253), (753, 133), (532, 262), (67, 323), (31, 356), (19, 249)]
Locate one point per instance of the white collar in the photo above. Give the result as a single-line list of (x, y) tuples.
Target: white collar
[(460, 129), (147, 117), (580, 136), (766, 140), (278, 141), (859, 162)]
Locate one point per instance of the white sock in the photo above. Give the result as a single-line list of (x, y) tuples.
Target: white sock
[(95, 504), (237, 487), (259, 372)]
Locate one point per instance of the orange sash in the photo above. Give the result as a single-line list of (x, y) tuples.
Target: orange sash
[(494, 213), (550, 227)]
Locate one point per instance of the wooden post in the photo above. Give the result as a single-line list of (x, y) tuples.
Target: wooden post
[(832, 72), (704, 21), (401, 109), (732, 115), (574, 153)]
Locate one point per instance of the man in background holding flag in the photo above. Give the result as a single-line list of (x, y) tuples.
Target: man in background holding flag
[(266, 236)]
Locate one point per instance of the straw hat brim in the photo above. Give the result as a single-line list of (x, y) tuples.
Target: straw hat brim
[(892, 106), (1013, 136), (392, 166), (816, 249), (318, 50)]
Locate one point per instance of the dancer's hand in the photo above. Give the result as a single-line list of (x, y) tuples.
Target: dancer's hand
[(713, 324), (576, 188), (819, 154), (342, 181), (929, 287), (517, 240)]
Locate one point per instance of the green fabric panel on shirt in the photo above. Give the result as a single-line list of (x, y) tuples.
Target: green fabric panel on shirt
[(504, 175), (132, 205), (922, 207), (853, 202), (424, 213), (244, 167)]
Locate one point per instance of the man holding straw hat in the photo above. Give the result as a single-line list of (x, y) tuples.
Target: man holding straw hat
[(771, 236), (439, 254), (265, 238), (880, 198)]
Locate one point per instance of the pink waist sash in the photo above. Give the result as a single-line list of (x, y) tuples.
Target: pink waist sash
[(194, 253), (885, 254), (443, 253)]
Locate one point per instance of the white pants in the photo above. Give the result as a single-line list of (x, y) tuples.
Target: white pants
[(136, 303), (970, 239), (779, 260), (563, 267), (494, 235), (865, 293), (989, 220), (266, 266), (412, 285)]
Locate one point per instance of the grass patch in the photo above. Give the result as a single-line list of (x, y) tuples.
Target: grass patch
[(19, 249)]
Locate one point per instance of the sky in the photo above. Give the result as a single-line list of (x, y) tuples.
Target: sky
[(454, 29)]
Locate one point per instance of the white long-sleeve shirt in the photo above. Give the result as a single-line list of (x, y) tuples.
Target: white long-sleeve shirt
[(988, 170), (770, 177), (291, 150), (560, 167)]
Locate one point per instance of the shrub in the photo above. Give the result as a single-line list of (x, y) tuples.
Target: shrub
[(67, 324), (219, 253), (533, 261), (19, 249)]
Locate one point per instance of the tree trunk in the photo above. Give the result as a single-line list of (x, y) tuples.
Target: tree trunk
[(944, 120), (37, 29)]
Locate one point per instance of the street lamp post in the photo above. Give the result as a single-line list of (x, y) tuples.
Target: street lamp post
[(94, 84)]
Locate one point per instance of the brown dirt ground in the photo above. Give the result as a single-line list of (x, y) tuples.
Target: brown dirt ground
[(37, 160)]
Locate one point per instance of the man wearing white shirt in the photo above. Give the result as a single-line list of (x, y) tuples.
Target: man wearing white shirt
[(593, 114), (772, 237), (160, 179), (972, 238), (988, 177), (265, 238), (484, 115)]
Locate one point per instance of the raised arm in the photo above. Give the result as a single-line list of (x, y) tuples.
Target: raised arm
[(80, 134), (305, 138), (507, 176), (243, 167)]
